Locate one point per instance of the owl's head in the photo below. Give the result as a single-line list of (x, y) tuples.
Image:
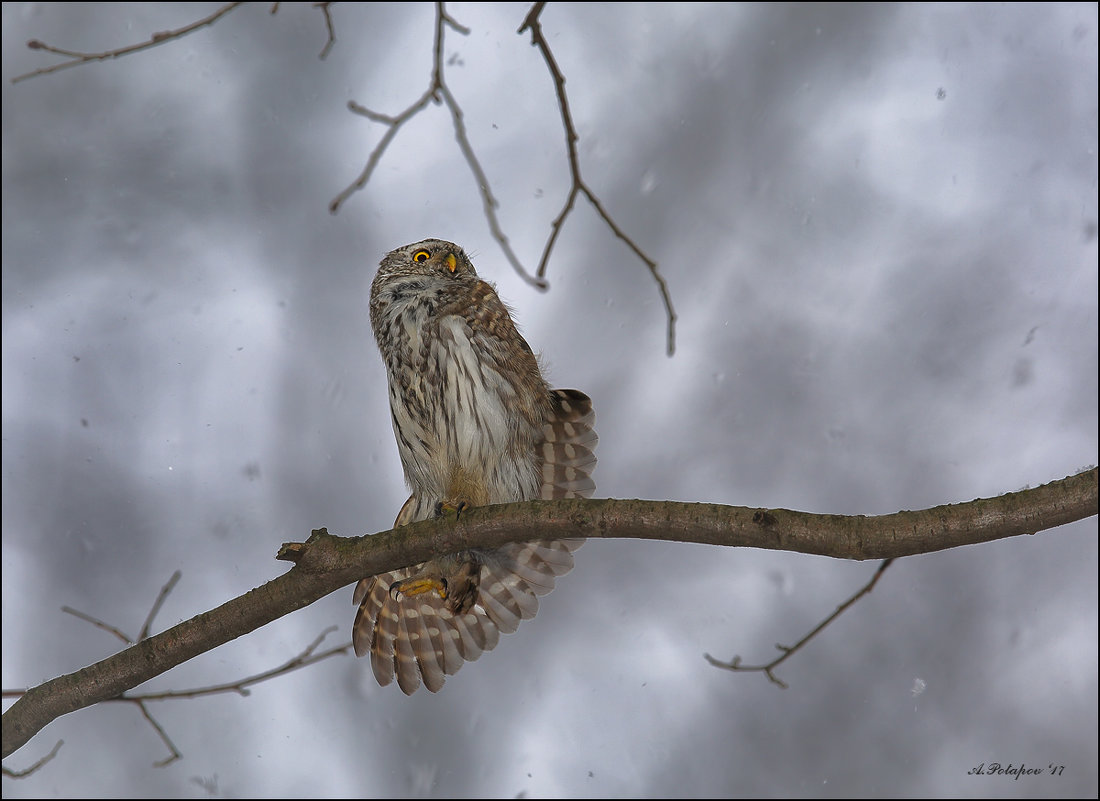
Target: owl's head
[(428, 257)]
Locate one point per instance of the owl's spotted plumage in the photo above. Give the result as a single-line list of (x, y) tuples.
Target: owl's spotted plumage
[(476, 424)]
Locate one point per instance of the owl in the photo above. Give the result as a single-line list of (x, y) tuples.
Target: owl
[(476, 423)]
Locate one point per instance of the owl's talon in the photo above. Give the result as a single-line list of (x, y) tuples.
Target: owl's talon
[(418, 586), (458, 507)]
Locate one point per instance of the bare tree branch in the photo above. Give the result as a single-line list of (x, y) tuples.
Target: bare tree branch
[(788, 650), (173, 752), (329, 27), (324, 6), (394, 124), (240, 686), (531, 22), (22, 774), (325, 563), (119, 633), (439, 92), (99, 624), (158, 38), (165, 591)]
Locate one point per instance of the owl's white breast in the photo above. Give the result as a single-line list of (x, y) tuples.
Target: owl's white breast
[(454, 414)]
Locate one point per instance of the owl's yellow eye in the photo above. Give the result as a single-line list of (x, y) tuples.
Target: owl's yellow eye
[(421, 255)]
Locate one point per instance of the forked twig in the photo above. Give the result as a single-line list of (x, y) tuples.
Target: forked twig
[(735, 663), (173, 752), (22, 774), (531, 22), (324, 7), (126, 638), (438, 92), (304, 659), (240, 686)]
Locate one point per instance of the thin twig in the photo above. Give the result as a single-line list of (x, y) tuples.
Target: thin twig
[(531, 22), (329, 26), (99, 624), (161, 596), (22, 774), (158, 38), (735, 663), (394, 124), (240, 687), (306, 657), (117, 632), (488, 202), (447, 18), (174, 753)]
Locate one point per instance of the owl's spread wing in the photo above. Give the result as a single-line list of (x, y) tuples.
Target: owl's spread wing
[(418, 638), (567, 452)]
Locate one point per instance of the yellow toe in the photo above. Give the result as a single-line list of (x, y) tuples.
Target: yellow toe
[(419, 586)]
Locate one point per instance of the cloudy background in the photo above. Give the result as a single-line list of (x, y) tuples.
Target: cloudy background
[(879, 228)]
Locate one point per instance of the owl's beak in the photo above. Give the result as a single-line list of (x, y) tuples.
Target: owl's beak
[(451, 263)]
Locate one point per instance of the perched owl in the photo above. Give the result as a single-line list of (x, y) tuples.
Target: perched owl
[(476, 424)]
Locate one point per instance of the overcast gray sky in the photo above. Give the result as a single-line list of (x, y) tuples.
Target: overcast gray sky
[(879, 228)]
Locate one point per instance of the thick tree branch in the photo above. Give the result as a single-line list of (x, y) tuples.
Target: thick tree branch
[(326, 563)]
